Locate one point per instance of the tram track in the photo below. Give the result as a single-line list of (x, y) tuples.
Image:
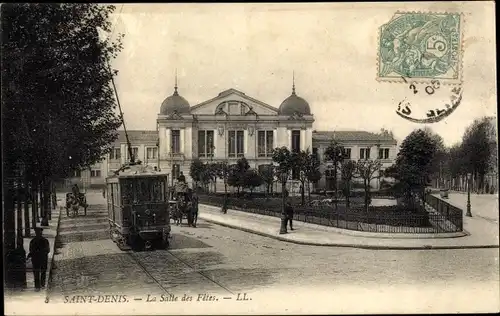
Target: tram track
[(147, 270), (199, 272), (158, 282)]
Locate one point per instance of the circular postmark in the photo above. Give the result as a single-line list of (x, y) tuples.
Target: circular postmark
[(428, 103)]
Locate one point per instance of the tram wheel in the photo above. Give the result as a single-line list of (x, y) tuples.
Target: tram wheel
[(162, 243), (137, 243)]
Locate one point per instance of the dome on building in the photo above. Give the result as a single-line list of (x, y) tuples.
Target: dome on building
[(174, 103), (294, 104)]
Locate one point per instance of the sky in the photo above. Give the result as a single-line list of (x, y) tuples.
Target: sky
[(332, 48)]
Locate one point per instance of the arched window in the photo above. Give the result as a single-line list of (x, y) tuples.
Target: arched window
[(232, 107), (220, 109)]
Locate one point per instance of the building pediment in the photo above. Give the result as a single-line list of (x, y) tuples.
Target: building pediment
[(233, 102)]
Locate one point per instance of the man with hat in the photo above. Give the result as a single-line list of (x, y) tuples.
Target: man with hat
[(39, 253)]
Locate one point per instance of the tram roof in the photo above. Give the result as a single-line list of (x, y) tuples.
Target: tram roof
[(137, 171)]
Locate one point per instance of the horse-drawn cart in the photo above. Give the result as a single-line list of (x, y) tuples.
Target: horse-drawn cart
[(181, 204), (75, 202)]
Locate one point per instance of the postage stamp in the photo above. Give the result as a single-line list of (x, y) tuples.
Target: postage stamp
[(421, 46)]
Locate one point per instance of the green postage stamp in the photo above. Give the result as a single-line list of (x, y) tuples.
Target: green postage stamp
[(421, 46)]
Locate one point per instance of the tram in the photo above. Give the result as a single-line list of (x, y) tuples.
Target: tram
[(138, 208), (137, 202)]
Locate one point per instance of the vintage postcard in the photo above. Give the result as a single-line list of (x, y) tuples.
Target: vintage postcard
[(260, 158)]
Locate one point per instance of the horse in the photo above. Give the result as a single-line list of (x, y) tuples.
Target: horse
[(181, 210), (73, 203), (176, 214)]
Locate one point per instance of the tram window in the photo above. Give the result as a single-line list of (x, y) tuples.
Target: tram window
[(143, 192), (162, 190), (157, 191), (154, 192), (109, 195), (128, 196), (115, 193)]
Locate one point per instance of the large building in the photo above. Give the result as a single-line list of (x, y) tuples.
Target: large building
[(233, 125)]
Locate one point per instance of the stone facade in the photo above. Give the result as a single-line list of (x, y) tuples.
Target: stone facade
[(233, 125)]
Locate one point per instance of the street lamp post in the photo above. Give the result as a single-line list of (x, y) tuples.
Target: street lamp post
[(380, 157), (211, 162), (469, 214), (284, 177), (340, 157)]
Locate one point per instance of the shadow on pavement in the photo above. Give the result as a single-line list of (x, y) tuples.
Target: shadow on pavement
[(180, 241), (204, 225)]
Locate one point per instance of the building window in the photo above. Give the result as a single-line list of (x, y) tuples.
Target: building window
[(236, 143), (95, 173), (347, 153), (364, 153), (77, 173), (265, 143), (243, 108), (135, 152), (115, 153), (176, 171), (295, 141), (383, 153), (175, 141), (151, 153), (315, 153), (205, 143)]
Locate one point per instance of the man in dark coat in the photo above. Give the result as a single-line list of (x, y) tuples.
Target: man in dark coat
[(75, 190), (289, 214), (194, 210), (39, 253), (181, 178)]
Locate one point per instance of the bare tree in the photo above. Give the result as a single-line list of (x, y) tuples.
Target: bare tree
[(368, 170)]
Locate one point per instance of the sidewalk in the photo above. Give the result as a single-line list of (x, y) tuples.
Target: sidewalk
[(482, 205), (480, 233), (29, 294)]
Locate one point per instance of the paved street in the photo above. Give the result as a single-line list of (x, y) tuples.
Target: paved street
[(482, 205), (215, 259)]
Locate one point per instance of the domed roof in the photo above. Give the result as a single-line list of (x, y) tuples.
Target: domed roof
[(294, 104), (174, 103)]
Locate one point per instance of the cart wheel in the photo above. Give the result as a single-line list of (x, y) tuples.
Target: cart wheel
[(163, 242)]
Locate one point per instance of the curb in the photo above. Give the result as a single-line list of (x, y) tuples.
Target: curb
[(51, 261), (372, 235), (424, 247)]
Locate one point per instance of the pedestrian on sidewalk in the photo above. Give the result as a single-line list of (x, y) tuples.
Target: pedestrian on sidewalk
[(104, 192), (289, 214), (39, 254), (195, 202)]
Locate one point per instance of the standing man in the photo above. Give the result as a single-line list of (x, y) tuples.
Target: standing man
[(181, 178), (39, 253), (76, 190), (194, 208), (289, 214)]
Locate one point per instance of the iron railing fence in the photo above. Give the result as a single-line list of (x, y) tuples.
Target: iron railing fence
[(360, 220), (449, 212)]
